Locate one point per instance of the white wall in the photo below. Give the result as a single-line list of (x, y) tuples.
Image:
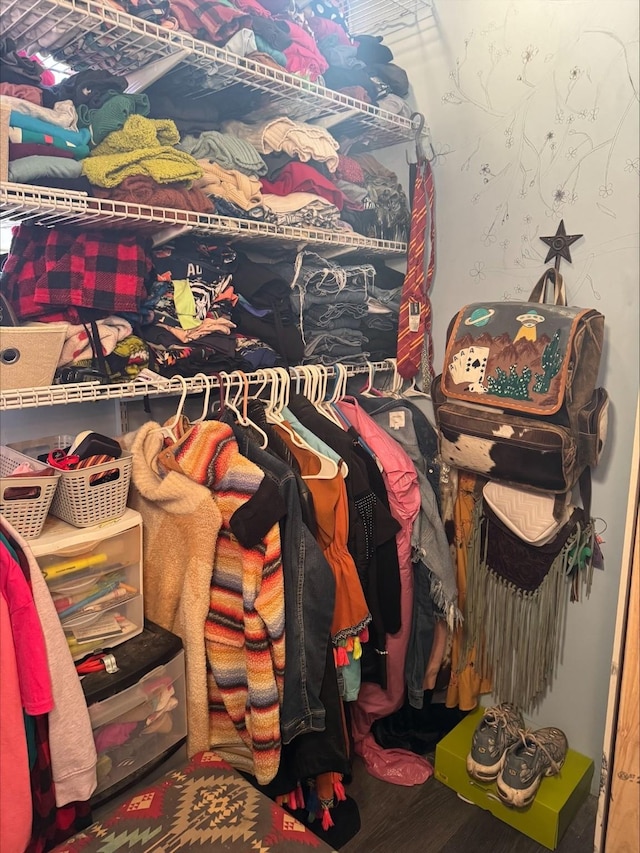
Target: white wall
[(533, 108)]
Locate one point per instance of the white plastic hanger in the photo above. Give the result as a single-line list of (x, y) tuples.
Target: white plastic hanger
[(207, 396), (244, 419), (325, 407), (168, 430), (280, 398)]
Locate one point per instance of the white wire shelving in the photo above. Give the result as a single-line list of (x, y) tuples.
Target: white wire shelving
[(90, 392), (383, 16), (41, 206), (89, 34)]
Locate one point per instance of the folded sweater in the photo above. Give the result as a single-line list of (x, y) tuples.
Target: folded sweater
[(226, 150), (305, 141), (230, 184), (63, 113), (164, 164), (28, 122)]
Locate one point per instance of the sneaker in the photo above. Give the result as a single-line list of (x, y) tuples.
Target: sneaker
[(498, 729), (536, 754)]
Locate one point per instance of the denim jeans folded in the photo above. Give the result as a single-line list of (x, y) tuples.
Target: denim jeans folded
[(382, 322), (390, 298), (340, 340), (328, 316)]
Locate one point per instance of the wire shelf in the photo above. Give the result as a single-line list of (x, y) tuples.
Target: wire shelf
[(89, 392), (86, 34), (41, 206), (384, 16)]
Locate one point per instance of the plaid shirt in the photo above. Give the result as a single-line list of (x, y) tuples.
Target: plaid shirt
[(51, 271)]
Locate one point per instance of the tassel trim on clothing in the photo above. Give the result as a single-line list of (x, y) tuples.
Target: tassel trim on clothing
[(517, 633)]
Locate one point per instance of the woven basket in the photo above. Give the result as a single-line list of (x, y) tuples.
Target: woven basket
[(26, 514), (83, 503)]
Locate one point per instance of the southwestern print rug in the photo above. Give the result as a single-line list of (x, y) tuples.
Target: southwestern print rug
[(204, 806)]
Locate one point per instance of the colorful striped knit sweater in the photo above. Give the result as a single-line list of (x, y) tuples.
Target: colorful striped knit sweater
[(244, 632)]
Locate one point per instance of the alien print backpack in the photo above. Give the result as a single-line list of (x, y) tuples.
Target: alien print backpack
[(516, 401)]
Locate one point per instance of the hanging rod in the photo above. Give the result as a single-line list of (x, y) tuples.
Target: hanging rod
[(90, 392)]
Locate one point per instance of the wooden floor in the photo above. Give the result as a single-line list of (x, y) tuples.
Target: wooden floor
[(430, 818), (427, 818)]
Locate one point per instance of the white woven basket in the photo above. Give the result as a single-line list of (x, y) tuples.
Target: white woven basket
[(83, 503), (27, 514)]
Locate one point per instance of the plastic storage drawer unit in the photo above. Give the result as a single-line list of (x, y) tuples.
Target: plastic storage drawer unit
[(139, 713), (95, 579)]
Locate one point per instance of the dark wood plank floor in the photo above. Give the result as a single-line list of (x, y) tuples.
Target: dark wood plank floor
[(427, 818), (432, 818)]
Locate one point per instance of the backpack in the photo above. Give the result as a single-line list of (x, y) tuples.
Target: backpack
[(517, 401)]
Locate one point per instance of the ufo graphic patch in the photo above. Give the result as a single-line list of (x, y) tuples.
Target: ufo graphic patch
[(512, 355)]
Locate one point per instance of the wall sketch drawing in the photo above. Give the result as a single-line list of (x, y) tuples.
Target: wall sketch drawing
[(550, 137)]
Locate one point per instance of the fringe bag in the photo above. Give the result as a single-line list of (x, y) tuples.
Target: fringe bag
[(517, 601)]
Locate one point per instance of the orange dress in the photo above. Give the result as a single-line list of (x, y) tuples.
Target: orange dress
[(351, 614)]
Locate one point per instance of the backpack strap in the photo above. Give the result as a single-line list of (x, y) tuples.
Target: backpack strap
[(584, 483), (539, 292)]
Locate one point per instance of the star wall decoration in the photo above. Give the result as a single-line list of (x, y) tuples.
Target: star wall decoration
[(559, 244)]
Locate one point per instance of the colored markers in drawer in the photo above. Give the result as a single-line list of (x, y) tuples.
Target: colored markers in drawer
[(95, 599)]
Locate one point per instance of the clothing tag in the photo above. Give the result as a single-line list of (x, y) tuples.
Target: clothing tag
[(414, 316), (397, 420)]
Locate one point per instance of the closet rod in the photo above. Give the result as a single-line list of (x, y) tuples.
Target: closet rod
[(88, 392)]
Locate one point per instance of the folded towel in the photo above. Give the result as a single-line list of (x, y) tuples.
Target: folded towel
[(63, 113), (76, 346)]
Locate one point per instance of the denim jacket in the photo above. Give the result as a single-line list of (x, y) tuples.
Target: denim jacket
[(309, 588)]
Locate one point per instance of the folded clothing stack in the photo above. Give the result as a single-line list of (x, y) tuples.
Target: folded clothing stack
[(331, 302)]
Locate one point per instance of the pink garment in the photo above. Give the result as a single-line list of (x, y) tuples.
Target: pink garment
[(28, 639), (113, 734), (303, 56), (323, 28), (15, 788), (391, 765), (73, 752), (22, 90)]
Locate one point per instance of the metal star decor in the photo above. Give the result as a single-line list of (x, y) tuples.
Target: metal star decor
[(559, 244)]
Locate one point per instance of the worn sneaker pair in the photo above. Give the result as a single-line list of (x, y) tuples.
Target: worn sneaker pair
[(516, 759)]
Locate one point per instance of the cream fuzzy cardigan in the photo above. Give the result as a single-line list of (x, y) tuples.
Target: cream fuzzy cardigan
[(181, 523)]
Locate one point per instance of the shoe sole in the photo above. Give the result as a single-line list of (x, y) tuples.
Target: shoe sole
[(520, 798), (484, 772)]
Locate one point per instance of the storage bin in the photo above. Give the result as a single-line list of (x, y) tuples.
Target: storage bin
[(27, 513), (79, 499), (138, 714), (95, 579), (29, 354)]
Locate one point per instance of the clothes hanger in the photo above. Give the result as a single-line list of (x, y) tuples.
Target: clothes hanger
[(368, 390), (207, 396), (328, 468), (168, 430), (418, 121), (245, 420), (339, 388)]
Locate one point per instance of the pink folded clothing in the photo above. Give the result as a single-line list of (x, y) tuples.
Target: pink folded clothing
[(323, 28), (23, 91), (214, 22), (301, 177), (303, 56), (349, 170)]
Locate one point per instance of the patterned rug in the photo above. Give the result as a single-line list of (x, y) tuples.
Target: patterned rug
[(205, 806)]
